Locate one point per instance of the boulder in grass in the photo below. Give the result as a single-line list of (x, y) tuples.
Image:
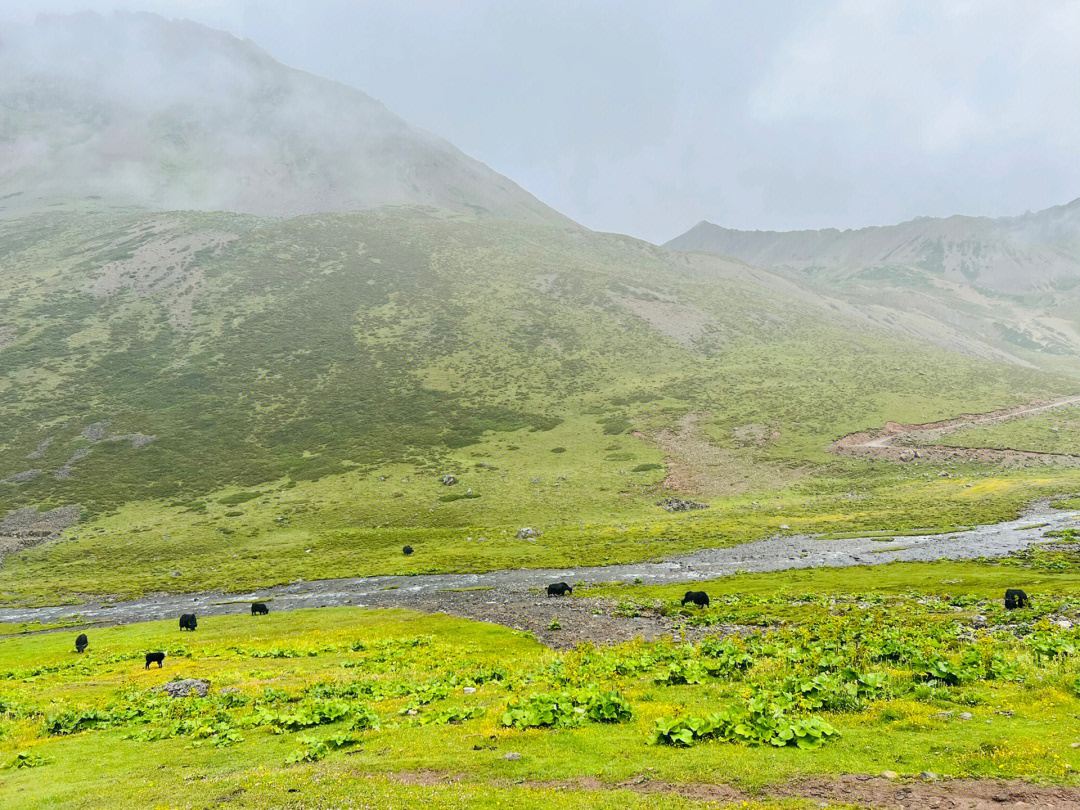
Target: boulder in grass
[(449, 480), (527, 533), (679, 505), (199, 687)]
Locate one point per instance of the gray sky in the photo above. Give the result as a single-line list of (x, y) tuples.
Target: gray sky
[(645, 117)]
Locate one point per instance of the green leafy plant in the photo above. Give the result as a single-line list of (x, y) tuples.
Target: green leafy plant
[(566, 709), (27, 759), (682, 672)]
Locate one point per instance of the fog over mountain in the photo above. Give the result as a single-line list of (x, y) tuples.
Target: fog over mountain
[(135, 109)]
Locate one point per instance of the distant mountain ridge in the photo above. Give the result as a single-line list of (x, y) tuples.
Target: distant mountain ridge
[(1006, 287), (1015, 255), (136, 109)]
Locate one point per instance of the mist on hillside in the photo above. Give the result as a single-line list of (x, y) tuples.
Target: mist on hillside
[(132, 108)]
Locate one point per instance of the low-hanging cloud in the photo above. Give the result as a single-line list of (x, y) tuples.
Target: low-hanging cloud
[(644, 119)]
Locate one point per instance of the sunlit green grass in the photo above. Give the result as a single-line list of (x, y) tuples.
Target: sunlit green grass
[(1022, 729)]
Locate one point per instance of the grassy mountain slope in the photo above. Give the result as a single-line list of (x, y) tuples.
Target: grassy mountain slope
[(282, 398), (135, 109), (1005, 288)]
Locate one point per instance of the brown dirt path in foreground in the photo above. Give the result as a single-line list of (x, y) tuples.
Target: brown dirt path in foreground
[(898, 442), (861, 790)]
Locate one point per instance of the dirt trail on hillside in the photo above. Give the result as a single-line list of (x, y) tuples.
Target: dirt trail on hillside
[(515, 597), (899, 442)]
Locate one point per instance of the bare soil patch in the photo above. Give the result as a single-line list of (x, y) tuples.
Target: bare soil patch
[(948, 794), (859, 789), (698, 465)]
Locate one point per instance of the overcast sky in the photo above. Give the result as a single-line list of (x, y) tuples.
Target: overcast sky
[(646, 117)]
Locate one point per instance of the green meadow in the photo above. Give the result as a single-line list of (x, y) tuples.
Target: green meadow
[(228, 401), (1056, 431), (907, 668)]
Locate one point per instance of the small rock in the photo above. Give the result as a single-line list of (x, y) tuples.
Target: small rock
[(679, 505), (469, 690), (784, 527), (189, 686), (908, 455), (965, 715), (942, 474), (890, 774), (527, 533), (513, 755), (448, 480), (929, 776)]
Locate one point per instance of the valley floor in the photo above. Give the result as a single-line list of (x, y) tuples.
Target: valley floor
[(510, 596)]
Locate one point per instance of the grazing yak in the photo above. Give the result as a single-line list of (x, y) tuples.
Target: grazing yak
[(1016, 598), (81, 642), (699, 598), (259, 609), (407, 550), (559, 589), (154, 658), (187, 621)]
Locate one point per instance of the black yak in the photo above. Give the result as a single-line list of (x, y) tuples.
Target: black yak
[(154, 658), (699, 598), (1016, 598)]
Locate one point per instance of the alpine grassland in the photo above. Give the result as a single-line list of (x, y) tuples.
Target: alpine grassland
[(1051, 432), (225, 401), (917, 668)]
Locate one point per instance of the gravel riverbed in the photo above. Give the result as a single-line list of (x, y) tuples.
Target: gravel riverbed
[(515, 597)]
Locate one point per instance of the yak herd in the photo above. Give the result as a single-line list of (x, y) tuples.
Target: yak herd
[(188, 621), (1014, 599)]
